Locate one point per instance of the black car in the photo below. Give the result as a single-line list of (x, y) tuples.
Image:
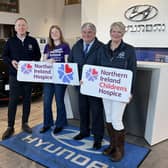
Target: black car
[(4, 79)]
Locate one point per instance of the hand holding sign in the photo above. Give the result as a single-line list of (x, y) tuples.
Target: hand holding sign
[(15, 64)]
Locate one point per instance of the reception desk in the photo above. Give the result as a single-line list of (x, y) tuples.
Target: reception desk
[(157, 108), (147, 114)]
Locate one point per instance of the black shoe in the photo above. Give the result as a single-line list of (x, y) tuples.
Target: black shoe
[(44, 129), (97, 145), (57, 130), (80, 136), (26, 128), (8, 133)]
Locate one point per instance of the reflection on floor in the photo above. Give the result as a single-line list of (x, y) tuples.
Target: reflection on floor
[(8, 159)]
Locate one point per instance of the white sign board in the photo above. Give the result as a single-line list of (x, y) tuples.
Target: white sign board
[(109, 83), (36, 71)]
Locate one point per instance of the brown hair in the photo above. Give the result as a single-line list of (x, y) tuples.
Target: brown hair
[(51, 41)]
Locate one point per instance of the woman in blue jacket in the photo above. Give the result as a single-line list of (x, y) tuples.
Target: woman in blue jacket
[(116, 54)]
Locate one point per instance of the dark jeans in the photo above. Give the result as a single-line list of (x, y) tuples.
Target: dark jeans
[(91, 107), (17, 89), (59, 91)]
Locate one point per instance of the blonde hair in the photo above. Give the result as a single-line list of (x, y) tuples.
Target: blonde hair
[(120, 25)]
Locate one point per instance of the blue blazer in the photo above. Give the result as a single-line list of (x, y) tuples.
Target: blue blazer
[(77, 54)]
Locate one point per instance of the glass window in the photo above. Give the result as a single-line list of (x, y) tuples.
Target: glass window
[(2, 44), (9, 6), (70, 2), (6, 31)]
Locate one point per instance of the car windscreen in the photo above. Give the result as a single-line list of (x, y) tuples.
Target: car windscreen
[(2, 44)]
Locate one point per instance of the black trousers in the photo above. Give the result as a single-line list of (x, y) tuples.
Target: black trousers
[(17, 89), (91, 113)]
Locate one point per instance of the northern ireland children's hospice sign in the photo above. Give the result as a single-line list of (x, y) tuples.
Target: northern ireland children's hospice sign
[(110, 83), (35, 71)]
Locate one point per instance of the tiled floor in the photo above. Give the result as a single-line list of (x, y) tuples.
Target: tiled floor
[(157, 158)]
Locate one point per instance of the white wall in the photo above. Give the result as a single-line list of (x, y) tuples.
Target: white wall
[(103, 13), (37, 13), (41, 14), (71, 21)]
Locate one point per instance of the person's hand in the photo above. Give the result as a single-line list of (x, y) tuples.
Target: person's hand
[(15, 64), (51, 60), (66, 58), (80, 82), (130, 98)]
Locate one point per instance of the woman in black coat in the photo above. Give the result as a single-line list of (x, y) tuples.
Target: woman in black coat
[(116, 54)]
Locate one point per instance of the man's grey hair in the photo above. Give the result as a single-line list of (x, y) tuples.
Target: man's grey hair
[(89, 25)]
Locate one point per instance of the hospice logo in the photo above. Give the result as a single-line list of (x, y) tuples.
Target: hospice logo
[(26, 68), (65, 73), (91, 74)]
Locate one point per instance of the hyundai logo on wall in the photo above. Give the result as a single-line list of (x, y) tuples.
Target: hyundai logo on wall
[(140, 13)]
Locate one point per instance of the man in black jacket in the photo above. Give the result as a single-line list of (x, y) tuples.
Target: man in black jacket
[(20, 47), (85, 52)]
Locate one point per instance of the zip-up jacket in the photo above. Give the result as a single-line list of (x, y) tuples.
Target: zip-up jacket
[(123, 57), (77, 54), (15, 49)]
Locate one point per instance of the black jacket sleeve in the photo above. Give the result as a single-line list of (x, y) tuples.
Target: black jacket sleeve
[(70, 58), (132, 65), (6, 53), (37, 51)]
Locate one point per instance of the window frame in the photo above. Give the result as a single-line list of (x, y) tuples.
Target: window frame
[(72, 2), (11, 6)]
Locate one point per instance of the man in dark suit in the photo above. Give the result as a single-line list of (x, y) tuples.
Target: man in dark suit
[(85, 52)]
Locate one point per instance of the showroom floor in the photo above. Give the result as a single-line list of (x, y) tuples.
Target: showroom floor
[(157, 158)]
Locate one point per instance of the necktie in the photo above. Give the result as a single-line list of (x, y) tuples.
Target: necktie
[(86, 49)]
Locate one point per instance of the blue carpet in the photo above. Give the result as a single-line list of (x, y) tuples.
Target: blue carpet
[(61, 151)]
